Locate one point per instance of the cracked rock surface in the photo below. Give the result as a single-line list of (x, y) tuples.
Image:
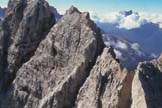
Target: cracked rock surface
[(53, 61), (61, 63), (146, 87), (108, 85), (25, 26)]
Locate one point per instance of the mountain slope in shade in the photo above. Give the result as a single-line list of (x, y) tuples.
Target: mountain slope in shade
[(147, 34), (130, 54), (23, 29), (146, 86), (55, 13)]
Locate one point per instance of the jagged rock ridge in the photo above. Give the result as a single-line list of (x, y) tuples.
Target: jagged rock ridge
[(53, 76), (66, 65), (146, 87), (26, 24), (108, 85)]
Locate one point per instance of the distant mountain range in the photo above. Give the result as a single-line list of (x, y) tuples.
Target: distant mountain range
[(146, 34), (129, 53), (2, 14)]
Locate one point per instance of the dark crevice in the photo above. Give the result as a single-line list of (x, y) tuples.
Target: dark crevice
[(150, 77), (7, 41), (102, 87), (89, 68), (88, 73)]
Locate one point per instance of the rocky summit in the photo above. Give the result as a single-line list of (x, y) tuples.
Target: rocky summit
[(53, 61)]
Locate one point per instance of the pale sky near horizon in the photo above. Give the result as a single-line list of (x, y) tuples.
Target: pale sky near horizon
[(98, 6)]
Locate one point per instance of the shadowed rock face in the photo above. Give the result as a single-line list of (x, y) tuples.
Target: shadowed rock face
[(146, 87), (26, 24)]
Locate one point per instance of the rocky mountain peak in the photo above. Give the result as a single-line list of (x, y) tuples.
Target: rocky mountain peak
[(111, 51), (60, 64), (126, 13), (72, 10), (65, 64), (25, 26), (146, 86), (108, 85)]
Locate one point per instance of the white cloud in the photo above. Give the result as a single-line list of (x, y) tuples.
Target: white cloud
[(160, 25), (118, 53), (154, 55), (131, 21), (111, 17), (121, 45), (134, 20), (135, 46)]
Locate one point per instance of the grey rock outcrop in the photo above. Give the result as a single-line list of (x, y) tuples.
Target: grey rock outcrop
[(25, 26), (146, 87), (61, 64), (108, 85)]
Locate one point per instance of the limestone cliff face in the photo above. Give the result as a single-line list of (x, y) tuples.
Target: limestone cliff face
[(26, 24), (146, 87), (108, 85), (53, 76)]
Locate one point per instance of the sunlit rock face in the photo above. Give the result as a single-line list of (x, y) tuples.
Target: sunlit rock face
[(108, 85), (60, 65)]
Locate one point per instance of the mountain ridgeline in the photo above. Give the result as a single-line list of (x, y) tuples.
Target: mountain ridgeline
[(53, 61)]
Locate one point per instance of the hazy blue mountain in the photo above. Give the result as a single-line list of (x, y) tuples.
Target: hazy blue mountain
[(129, 53), (148, 35), (2, 13)]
